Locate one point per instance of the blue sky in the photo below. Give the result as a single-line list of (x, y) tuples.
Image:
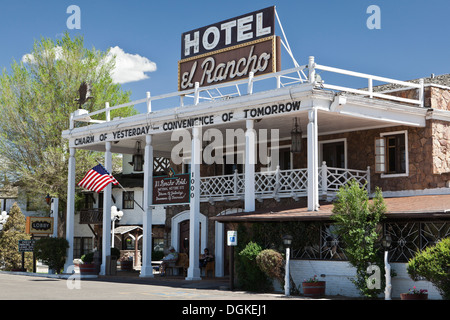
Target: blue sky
[(413, 40)]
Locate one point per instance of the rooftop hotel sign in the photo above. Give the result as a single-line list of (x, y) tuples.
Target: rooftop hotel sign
[(229, 50)]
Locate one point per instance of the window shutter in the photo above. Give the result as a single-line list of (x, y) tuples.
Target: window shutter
[(380, 155)]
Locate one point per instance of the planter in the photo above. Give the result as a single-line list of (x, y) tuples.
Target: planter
[(87, 268), (126, 265), (414, 296), (313, 289)]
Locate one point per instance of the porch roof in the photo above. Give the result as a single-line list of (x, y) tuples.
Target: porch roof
[(412, 207)]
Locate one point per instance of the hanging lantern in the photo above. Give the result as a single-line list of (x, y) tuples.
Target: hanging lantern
[(138, 158), (296, 138), (48, 198)]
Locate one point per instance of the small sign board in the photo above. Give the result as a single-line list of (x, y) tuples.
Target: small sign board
[(172, 189), (26, 245), (232, 238), (39, 225)]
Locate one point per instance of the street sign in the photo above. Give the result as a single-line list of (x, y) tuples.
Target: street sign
[(232, 238), (26, 245)]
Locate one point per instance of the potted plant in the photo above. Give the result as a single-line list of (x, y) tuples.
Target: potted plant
[(414, 294), (88, 266), (313, 287)]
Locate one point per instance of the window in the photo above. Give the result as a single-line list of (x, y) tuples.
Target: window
[(391, 154), (128, 200)]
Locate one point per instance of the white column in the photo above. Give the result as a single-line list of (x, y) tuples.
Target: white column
[(313, 172), (249, 167), (193, 272), (106, 237), (146, 269), (70, 218)]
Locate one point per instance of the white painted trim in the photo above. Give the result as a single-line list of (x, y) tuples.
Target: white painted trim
[(175, 231), (321, 143)]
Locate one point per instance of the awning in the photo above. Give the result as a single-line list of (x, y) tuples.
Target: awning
[(125, 229), (414, 207)]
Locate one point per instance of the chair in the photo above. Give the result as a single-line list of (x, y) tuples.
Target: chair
[(181, 263), (210, 266)]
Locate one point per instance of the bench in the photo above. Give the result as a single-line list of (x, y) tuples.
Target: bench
[(182, 263)]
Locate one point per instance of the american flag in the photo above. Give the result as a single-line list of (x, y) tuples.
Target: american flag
[(97, 179)]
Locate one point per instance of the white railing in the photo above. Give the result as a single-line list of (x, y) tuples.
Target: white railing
[(280, 183), (292, 76)]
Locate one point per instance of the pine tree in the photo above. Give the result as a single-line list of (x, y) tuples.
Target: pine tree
[(13, 231)]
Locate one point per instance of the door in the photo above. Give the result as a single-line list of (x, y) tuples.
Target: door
[(184, 237)]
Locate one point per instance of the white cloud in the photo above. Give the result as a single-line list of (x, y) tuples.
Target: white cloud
[(29, 58), (130, 67)]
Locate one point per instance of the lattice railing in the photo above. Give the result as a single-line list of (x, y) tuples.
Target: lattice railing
[(281, 183), (222, 186)]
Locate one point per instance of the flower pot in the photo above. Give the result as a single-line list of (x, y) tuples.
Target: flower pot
[(87, 268), (313, 289), (414, 296)]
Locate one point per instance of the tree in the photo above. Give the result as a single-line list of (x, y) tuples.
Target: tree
[(358, 222), (433, 264), (13, 231), (36, 99)]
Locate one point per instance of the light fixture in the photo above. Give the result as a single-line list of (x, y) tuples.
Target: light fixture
[(296, 138), (48, 198), (138, 158), (287, 240), (386, 242)]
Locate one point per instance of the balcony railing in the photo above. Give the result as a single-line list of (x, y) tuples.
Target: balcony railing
[(280, 183), (91, 216)]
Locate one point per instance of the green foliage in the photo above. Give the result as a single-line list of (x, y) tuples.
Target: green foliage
[(36, 99), (358, 222), (433, 264), (271, 262), (13, 231), (88, 257), (250, 275), (52, 251)]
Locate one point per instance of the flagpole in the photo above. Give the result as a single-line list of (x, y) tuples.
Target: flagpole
[(122, 187)]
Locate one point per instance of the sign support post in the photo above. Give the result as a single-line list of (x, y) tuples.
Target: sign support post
[(232, 242)]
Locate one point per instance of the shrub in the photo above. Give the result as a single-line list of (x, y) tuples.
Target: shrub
[(271, 262), (52, 251), (250, 277), (433, 264), (88, 257)]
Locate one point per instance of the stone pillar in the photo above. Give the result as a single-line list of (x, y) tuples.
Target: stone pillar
[(147, 270), (70, 218), (313, 166), (250, 154), (106, 237), (194, 221)]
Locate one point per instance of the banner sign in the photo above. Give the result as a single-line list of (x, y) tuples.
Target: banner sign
[(39, 225), (26, 245), (229, 50), (248, 27), (236, 63), (172, 189)]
